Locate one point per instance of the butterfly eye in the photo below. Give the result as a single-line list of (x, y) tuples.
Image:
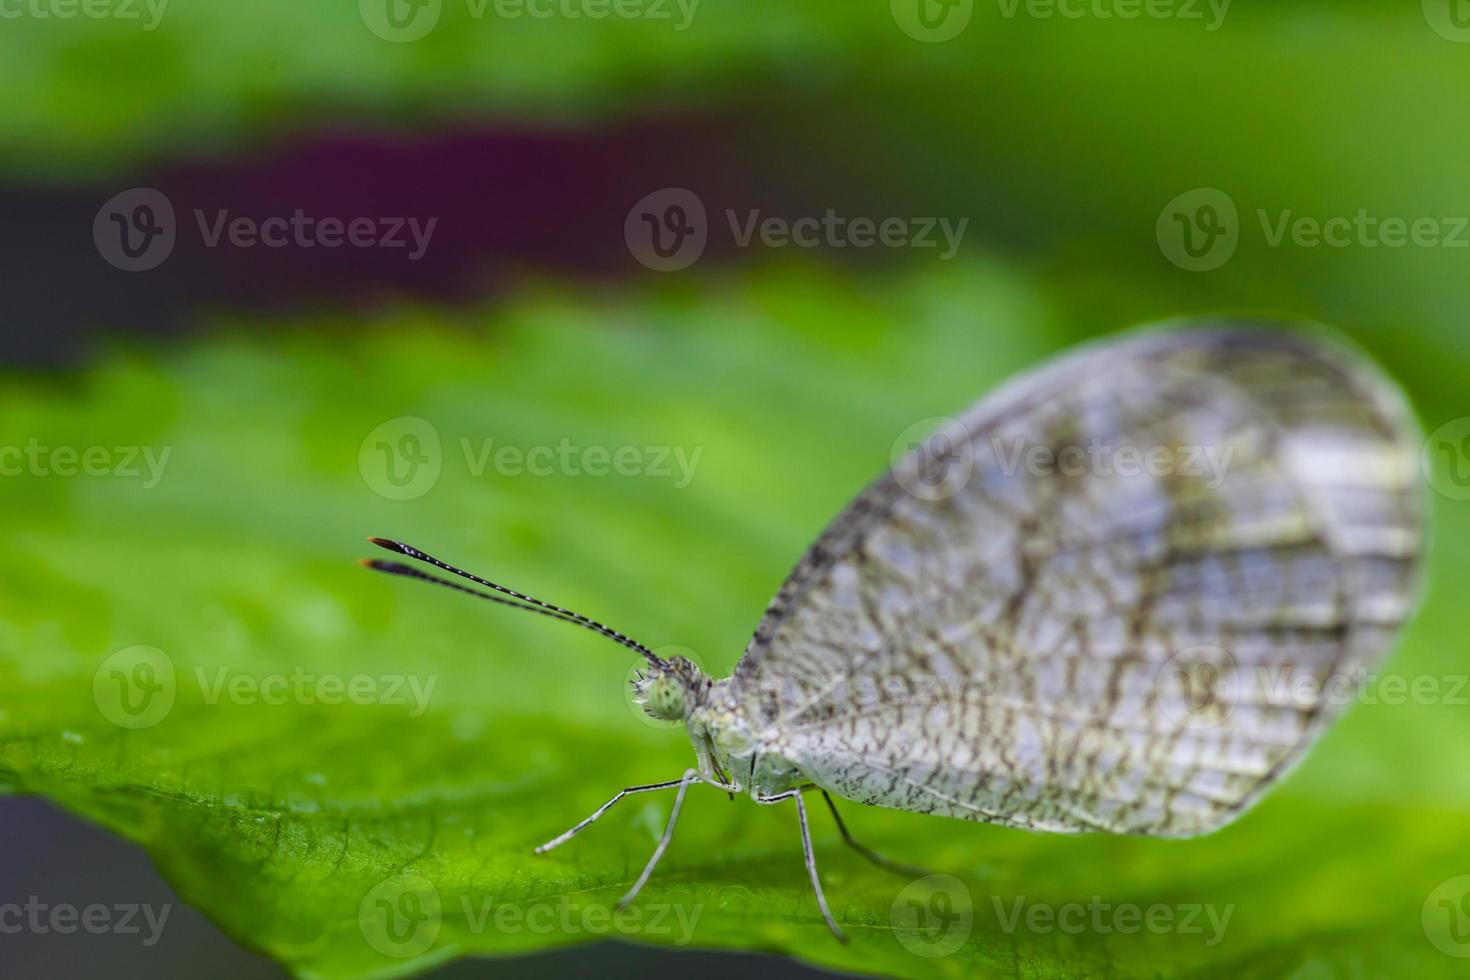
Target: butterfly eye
[(664, 698)]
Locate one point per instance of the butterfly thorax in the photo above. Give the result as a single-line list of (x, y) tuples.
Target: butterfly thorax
[(728, 749), (733, 751)]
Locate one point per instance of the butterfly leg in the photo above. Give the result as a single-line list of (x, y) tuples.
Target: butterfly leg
[(811, 870), (568, 835), (690, 776), (811, 860), (887, 864)]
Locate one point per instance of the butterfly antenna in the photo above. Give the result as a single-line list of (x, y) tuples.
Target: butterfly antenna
[(408, 571), (526, 602)]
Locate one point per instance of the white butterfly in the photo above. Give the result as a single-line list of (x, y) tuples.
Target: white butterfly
[(1123, 593)]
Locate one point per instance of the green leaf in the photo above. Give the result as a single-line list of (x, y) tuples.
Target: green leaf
[(394, 829), (98, 95), (90, 92)]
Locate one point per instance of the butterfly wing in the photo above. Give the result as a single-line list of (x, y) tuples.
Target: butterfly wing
[(1123, 593)]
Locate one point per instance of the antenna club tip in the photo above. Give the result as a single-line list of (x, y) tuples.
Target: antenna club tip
[(391, 567), (389, 544)]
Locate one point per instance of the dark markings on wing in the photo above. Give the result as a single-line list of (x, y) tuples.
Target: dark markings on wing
[(1142, 651)]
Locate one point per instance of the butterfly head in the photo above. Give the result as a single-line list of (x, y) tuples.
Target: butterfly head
[(670, 690)]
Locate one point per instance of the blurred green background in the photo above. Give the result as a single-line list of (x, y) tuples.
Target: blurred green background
[(1106, 170)]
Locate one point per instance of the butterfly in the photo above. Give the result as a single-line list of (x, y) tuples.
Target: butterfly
[(1123, 593)]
